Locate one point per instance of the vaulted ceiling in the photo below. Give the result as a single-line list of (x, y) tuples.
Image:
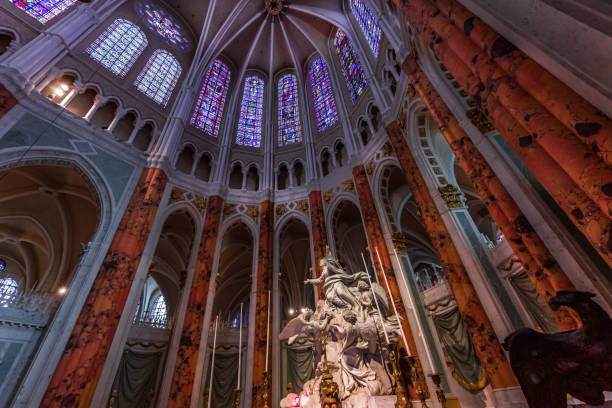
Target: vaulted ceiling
[(246, 32)]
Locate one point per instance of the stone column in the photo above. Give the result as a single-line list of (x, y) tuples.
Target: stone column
[(544, 271), (261, 394), (98, 102), (376, 240), (118, 115), (7, 101), (488, 347), (77, 88), (590, 173), (319, 233), (189, 346), (577, 114), (78, 371)]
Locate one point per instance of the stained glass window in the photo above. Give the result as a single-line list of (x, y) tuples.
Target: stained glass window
[(368, 24), (209, 109), (322, 95), (159, 312), (290, 130), (8, 290), (159, 76), (355, 80), (164, 24), (43, 10), (251, 113), (118, 46)]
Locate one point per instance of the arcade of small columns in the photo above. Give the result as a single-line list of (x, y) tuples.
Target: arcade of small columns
[(562, 139)]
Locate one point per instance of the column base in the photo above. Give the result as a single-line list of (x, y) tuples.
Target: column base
[(511, 397)]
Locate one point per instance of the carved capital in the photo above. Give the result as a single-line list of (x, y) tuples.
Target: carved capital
[(451, 195)]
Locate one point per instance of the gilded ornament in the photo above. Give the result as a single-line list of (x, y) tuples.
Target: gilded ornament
[(479, 120), (370, 166), (253, 212), (200, 203), (281, 209), (387, 149), (428, 152), (437, 170), (178, 194), (411, 91), (327, 196), (349, 185), (228, 209), (451, 195), (442, 180), (302, 205), (399, 241), (401, 120), (433, 162)]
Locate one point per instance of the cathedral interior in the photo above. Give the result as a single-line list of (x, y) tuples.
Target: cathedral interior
[(204, 159)]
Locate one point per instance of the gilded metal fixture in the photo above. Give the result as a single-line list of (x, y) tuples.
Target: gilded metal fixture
[(439, 391), (237, 399), (403, 400), (452, 196), (328, 388), (417, 380)]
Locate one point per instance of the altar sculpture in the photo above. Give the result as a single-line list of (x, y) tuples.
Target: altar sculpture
[(348, 326)]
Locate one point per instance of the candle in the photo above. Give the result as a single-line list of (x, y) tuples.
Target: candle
[(212, 365), (393, 303), (268, 332), (375, 301), (240, 346), (429, 359)]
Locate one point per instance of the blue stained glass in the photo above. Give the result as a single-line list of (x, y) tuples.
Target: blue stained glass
[(209, 109), (251, 113), (355, 80), (118, 47), (159, 76), (159, 311), (368, 24), (290, 130), (322, 95), (43, 10)]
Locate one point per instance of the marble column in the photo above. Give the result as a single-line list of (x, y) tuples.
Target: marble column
[(7, 101), (580, 209), (487, 345), (262, 394), (586, 169), (376, 240), (189, 346), (577, 114), (544, 271), (319, 233), (78, 371)]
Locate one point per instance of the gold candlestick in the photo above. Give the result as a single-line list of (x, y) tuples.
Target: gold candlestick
[(264, 396), (417, 380), (328, 388), (402, 401), (237, 399)]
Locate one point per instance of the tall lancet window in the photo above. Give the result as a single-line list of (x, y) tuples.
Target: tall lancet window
[(290, 130), (43, 10), (209, 109), (355, 80), (251, 113), (159, 76), (118, 46), (159, 310), (368, 24), (322, 95)]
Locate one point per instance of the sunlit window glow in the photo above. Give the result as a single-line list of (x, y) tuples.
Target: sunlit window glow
[(368, 24), (43, 10), (355, 80), (290, 130), (209, 109), (251, 113), (159, 76), (326, 113)]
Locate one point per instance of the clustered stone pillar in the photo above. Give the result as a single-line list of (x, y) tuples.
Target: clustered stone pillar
[(78, 371), (191, 337), (319, 235), (262, 392), (488, 348), (376, 240), (544, 271), (562, 139)]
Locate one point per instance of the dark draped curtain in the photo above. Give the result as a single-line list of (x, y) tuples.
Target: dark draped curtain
[(136, 379), (533, 303), (459, 350), (299, 367), (225, 380)]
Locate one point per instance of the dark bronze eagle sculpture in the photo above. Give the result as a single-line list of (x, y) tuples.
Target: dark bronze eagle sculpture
[(576, 362)]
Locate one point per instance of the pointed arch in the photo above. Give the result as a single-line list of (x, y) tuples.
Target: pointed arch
[(368, 24), (251, 113), (209, 109), (289, 126), (326, 112), (355, 79), (118, 47), (158, 78)]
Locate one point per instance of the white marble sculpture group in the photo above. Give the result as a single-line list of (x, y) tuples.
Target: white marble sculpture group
[(355, 346)]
